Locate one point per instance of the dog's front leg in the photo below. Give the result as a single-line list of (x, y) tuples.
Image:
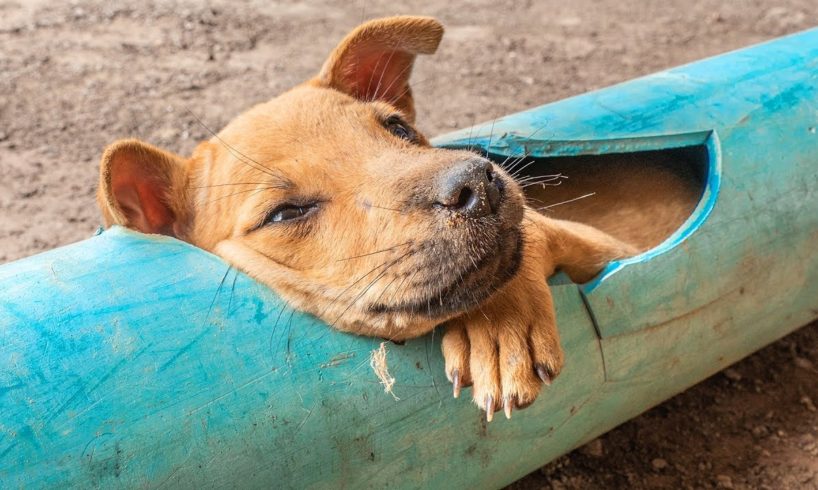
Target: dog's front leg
[(509, 346)]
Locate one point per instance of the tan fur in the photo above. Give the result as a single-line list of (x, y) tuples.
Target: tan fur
[(640, 199), (374, 246)]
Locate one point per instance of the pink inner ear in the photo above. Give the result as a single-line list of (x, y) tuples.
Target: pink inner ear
[(141, 197), (379, 75)]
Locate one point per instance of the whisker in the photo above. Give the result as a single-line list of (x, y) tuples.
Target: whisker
[(372, 74), (503, 163), (377, 251), (385, 289), (541, 184), (275, 327), (233, 183), (289, 336), (491, 135), (527, 153), (232, 291), (218, 290), (383, 72), (544, 178), (471, 130), (519, 171), (429, 362), (395, 79), (406, 279), (331, 303), (513, 165), (239, 192), (235, 152), (388, 209), (565, 202), (409, 87), (372, 283)]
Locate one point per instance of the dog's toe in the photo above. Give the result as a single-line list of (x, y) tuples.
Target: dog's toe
[(485, 370), (520, 385), (456, 355)]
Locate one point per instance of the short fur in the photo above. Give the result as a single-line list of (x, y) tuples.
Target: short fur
[(376, 253)]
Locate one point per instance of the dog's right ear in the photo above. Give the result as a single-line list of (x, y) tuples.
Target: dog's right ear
[(374, 61), (143, 188)]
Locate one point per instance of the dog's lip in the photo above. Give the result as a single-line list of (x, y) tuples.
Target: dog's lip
[(446, 302)]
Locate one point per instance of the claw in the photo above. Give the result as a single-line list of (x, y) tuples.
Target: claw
[(489, 408), (508, 405), (456, 383), (545, 374)]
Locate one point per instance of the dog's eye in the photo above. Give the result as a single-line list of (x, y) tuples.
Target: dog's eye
[(396, 126), (289, 212)]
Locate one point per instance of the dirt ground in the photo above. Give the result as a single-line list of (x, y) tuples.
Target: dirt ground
[(76, 75)]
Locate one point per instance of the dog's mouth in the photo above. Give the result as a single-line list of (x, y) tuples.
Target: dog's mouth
[(460, 290)]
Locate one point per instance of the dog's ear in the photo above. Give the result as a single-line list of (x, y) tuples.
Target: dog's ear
[(375, 60), (142, 187)]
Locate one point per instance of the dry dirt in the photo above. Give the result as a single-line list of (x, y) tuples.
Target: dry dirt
[(76, 75)]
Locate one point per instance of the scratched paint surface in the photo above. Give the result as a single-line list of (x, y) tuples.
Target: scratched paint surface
[(116, 372)]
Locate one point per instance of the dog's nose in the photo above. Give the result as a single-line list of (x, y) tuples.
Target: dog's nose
[(470, 188)]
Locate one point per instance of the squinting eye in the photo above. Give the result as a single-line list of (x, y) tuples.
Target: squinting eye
[(397, 127), (289, 212)]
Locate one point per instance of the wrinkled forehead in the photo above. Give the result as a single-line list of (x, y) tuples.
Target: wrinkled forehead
[(306, 119), (300, 131)]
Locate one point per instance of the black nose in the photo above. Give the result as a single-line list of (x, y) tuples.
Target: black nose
[(470, 188)]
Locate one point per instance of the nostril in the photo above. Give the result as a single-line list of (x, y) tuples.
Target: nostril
[(463, 198), (471, 189)]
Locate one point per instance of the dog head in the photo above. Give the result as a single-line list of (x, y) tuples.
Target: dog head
[(330, 196)]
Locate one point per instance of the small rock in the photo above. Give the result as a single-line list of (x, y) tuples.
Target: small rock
[(716, 17), (659, 464), (760, 431), (595, 449), (732, 374), (808, 403), (568, 21), (527, 80), (724, 481), (804, 363), (557, 485)]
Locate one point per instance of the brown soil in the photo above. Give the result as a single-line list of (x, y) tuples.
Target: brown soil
[(76, 75)]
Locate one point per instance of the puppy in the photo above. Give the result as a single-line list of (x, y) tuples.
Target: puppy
[(331, 197)]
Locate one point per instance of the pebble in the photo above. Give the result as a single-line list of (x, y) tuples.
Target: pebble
[(732, 374), (659, 463), (808, 403), (594, 449), (724, 481), (804, 363), (760, 431)]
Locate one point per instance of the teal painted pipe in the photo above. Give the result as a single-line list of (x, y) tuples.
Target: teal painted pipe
[(138, 361)]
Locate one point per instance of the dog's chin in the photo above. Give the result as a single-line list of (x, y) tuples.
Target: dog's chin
[(465, 289)]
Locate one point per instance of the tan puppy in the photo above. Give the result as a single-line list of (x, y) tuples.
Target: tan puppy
[(328, 195)]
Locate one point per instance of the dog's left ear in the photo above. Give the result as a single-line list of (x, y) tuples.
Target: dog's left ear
[(375, 60)]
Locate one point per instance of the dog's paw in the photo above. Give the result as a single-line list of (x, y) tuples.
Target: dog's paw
[(506, 349)]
